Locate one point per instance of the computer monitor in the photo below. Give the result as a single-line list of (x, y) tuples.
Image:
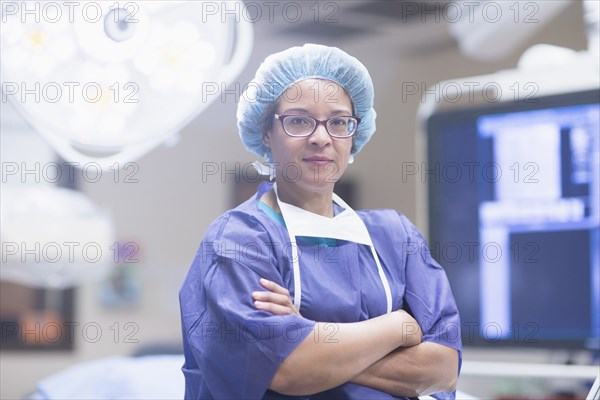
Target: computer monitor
[(513, 215)]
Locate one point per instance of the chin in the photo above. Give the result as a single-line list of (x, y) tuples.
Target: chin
[(310, 179), (322, 185), (322, 176)]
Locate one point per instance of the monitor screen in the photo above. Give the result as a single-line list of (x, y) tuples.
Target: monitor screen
[(514, 218)]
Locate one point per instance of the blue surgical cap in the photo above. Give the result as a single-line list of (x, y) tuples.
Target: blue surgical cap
[(281, 70)]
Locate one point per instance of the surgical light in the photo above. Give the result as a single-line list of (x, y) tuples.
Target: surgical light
[(54, 237), (108, 81)]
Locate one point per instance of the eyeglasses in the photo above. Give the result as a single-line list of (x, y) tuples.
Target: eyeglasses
[(304, 125)]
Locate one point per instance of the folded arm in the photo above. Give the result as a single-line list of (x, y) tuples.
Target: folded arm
[(413, 371), (335, 353)]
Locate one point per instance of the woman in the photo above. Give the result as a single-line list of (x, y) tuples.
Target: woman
[(293, 293)]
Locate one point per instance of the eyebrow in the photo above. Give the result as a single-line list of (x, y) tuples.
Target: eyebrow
[(305, 111)]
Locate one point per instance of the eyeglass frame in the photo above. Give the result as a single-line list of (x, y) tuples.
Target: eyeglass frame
[(318, 122)]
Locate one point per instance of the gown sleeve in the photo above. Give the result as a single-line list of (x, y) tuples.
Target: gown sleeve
[(232, 350), (428, 296)]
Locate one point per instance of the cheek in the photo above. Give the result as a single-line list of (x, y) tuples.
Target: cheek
[(343, 157), (282, 151), (346, 150)]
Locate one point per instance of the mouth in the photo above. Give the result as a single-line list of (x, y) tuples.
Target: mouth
[(317, 160)]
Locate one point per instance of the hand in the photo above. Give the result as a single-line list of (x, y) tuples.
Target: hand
[(276, 300), (411, 331)]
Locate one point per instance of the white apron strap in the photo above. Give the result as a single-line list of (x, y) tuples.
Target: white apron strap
[(345, 226)]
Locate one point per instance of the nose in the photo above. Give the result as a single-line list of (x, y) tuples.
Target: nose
[(320, 137)]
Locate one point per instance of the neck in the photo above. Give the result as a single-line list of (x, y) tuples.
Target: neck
[(316, 202)]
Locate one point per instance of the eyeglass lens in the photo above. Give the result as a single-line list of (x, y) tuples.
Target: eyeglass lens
[(305, 125)]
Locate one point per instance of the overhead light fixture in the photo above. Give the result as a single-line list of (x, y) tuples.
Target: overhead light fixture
[(491, 30), (54, 237), (109, 81)]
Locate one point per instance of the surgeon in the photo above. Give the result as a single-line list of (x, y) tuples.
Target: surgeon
[(293, 294)]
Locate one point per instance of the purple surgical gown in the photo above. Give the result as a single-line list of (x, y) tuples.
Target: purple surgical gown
[(233, 350)]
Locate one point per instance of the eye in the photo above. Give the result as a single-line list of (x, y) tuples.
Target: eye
[(298, 121), (338, 122)]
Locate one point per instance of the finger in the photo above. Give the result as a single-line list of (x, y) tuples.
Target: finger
[(272, 298), (273, 287), (273, 308)]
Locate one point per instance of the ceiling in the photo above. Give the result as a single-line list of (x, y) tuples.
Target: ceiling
[(345, 19), (402, 26), (407, 27)]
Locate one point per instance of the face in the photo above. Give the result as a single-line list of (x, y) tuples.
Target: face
[(315, 162)]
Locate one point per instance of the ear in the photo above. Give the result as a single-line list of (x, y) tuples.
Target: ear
[(267, 139)]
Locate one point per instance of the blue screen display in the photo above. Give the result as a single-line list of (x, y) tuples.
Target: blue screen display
[(514, 218)]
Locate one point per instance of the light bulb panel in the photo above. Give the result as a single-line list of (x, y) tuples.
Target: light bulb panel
[(113, 76)]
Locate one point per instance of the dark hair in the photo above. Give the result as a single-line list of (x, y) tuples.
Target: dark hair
[(269, 114)]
